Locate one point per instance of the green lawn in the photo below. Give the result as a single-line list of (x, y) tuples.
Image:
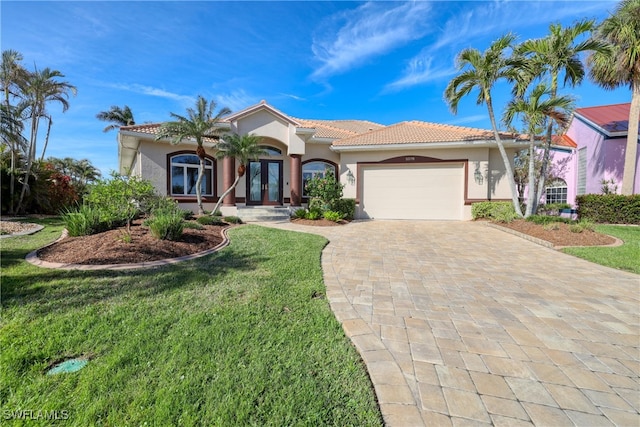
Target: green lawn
[(236, 338), (625, 257)]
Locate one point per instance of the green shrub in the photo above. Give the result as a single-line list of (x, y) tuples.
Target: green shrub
[(300, 213), (497, 211), (551, 226), (326, 188), (122, 198), (576, 228), (232, 220), (84, 221), (313, 215), (347, 207), (193, 225), (166, 227), (333, 216), (587, 224), (547, 219), (210, 220), (609, 208)]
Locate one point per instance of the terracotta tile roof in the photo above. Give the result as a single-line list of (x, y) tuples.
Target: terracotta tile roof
[(611, 118), (151, 129), (337, 129), (563, 141), (419, 132)]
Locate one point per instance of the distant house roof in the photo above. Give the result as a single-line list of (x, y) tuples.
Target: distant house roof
[(613, 120), (563, 141), (416, 132)]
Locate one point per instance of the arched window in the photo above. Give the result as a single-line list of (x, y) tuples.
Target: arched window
[(271, 151), (184, 175), (556, 191), (315, 169)]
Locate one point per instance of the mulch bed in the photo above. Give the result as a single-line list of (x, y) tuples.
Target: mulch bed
[(560, 237), (111, 246), (317, 222)]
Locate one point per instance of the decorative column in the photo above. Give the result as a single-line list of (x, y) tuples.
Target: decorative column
[(228, 176), (296, 179)]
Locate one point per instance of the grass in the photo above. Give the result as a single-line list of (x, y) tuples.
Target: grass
[(625, 257), (236, 338)]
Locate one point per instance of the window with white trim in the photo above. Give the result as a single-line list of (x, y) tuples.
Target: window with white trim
[(184, 175), (556, 191), (315, 169)]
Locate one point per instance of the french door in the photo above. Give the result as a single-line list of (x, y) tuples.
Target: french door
[(264, 182)]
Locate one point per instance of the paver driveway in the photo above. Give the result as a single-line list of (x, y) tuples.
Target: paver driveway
[(459, 323)]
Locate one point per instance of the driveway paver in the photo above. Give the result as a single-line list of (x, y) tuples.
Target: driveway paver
[(460, 323)]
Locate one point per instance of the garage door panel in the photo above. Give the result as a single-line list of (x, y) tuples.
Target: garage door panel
[(413, 192)]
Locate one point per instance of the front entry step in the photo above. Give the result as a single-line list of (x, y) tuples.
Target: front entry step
[(264, 213)]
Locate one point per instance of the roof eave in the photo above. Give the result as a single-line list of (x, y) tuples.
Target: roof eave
[(427, 145)]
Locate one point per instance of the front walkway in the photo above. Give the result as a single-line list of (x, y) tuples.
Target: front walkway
[(462, 324)]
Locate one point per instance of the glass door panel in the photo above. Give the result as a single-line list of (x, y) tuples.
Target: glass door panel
[(274, 183), (255, 182)]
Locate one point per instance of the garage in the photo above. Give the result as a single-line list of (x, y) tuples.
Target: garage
[(415, 191)]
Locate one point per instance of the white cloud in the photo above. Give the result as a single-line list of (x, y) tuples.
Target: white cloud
[(478, 20), (236, 100), (296, 97), (420, 70), (348, 39), (152, 91)]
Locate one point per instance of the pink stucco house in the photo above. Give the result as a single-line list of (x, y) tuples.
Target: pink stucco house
[(590, 152)]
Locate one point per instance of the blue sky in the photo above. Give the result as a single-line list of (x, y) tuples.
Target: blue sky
[(381, 61)]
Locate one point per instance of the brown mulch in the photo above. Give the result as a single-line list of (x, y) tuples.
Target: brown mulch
[(12, 227), (560, 237), (317, 222), (111, 246)]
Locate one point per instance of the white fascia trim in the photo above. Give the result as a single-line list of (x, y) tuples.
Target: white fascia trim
[(426, 145), (322, 140), (305, 131)]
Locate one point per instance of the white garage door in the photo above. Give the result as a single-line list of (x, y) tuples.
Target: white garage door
[(418, 191)]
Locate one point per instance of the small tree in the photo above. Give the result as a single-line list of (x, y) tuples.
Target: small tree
[(242, 148), (199, 124), (117, 117)]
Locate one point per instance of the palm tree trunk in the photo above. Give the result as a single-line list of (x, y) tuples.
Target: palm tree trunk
[(505, 158), (628, 177), (532, 178), (228, 190), (30, 157), (199, 187), (12, 179), (546, 154), (46, 139)]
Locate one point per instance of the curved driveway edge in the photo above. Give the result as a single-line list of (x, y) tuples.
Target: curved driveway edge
[(460, 323)]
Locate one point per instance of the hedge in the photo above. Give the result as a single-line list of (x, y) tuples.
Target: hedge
[(497, 211), (609, 208)]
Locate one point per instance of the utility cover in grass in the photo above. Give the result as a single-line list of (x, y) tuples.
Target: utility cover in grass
[(71, 365)]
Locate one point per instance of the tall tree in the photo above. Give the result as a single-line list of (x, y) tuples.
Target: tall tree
[(199, 124), (242, 148), (550, 58), (481, 71), (12, 73), (40, 88), (618, 66), (535, 111), (117, 117)]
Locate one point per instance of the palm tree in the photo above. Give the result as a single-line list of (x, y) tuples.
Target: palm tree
[(38, 89), (242, 148), (11, 75), (618, 66), (536, 111), (199, 124), (117, 116), (551, 56), (481, 71)]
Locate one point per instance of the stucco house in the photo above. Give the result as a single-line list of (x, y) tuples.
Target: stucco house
[(409, 170), (590, 152)]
